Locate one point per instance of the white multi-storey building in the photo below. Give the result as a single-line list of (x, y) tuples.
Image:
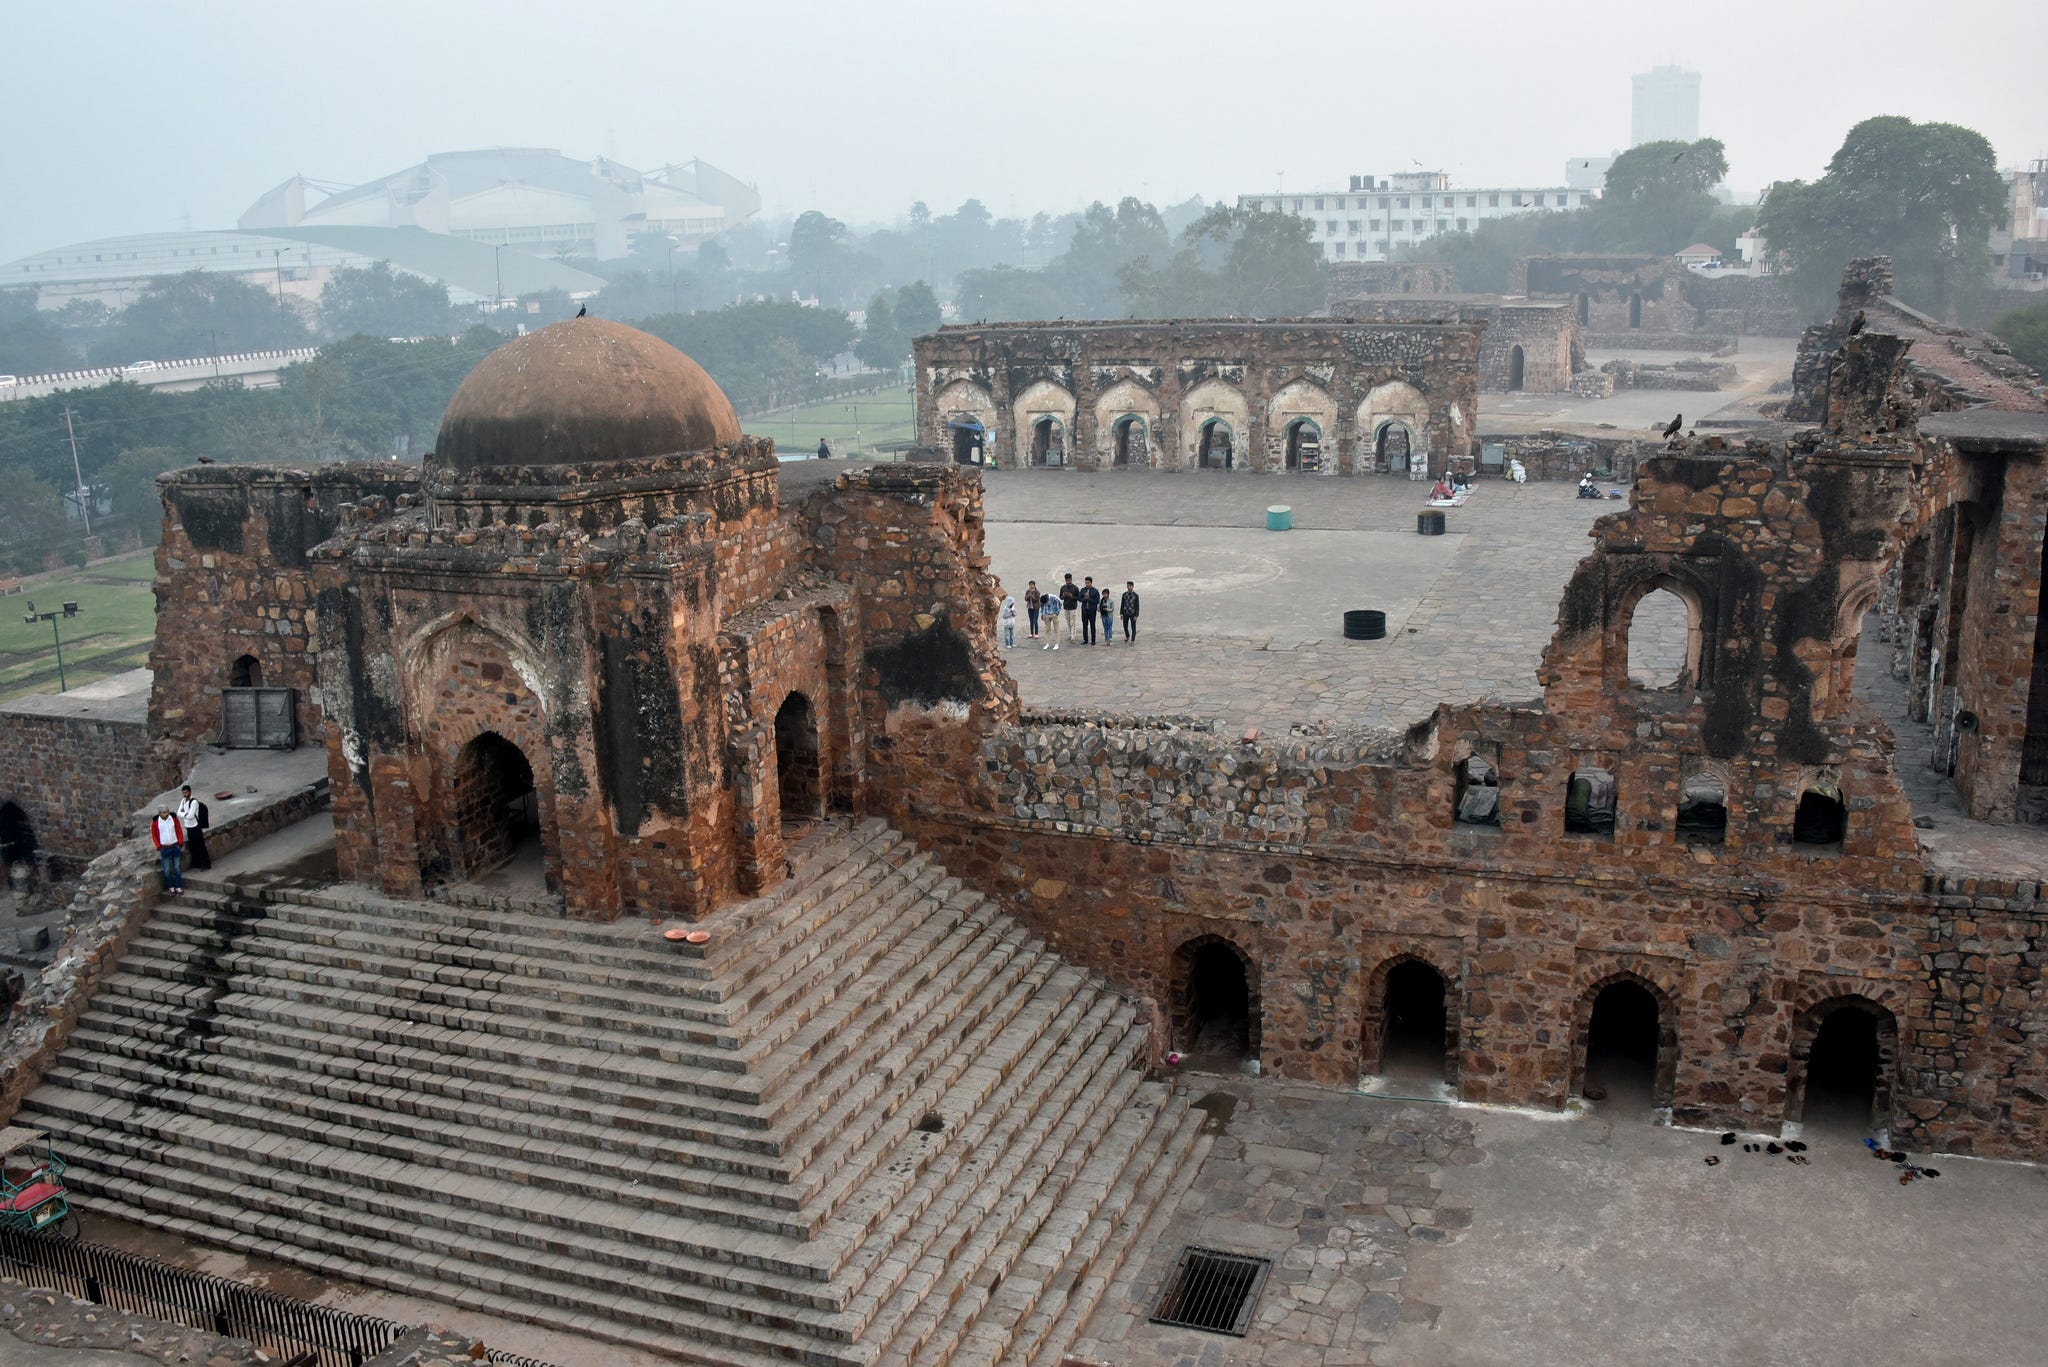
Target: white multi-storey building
[(1373, 218)]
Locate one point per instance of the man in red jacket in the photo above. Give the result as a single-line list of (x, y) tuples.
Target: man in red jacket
[(167, 833)]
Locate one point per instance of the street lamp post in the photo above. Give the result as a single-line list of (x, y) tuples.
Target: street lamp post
[(32, 617), (277, 263), (498, 274), (672, 245)]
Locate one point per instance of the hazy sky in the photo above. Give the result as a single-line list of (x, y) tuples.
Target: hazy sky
[(128, 117)]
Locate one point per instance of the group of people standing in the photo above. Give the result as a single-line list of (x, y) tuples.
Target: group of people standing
[(1081, 605), (180, 838)]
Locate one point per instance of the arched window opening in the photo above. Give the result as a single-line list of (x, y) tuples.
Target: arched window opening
[(1660, 641), (1304, 446), (1516, 363), (1417, 1023), (1216, 451), (494, 812), (1589, 803), (17, 840), (799, 772), (1819, 822), (1391, 448), (1475, 799), (1635, 310), (1216, 1002), (246, 673), (1843, 1055), (1622, 1043), (1702, 810), (1131, 439), (1048, 442)]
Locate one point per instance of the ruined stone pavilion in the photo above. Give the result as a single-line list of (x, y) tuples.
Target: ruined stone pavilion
[(904, 1102)]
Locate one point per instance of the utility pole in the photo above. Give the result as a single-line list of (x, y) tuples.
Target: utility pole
[(84, 499), (277, 261)]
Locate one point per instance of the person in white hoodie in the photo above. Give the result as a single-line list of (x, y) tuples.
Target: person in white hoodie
[(167, 833), (1007, 615)]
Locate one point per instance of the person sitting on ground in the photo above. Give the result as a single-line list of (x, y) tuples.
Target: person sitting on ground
[(1442, 489)]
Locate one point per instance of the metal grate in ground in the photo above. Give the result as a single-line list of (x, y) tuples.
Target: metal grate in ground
[(1213, 1291)]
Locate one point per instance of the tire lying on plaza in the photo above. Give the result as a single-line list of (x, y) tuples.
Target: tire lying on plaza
[(1364, 624)]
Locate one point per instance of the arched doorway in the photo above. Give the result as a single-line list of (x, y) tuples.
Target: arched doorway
[(1217, 450), (1844, 1051), (246, 673), (1415, 1037), (1628, 1050), (970, 441), (17, 839), (799, 770), (1048, 442), (1218, 1003), (1130, 438), (1391, 448), (1304, 445), (1516, 364), (1635, 310), (493, 810)]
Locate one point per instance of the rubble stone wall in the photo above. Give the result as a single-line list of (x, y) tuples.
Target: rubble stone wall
[(234, 579), (78, 780)]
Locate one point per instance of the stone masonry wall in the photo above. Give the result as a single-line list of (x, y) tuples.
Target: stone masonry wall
[(233, 578), (78, 779), (1258, 379)]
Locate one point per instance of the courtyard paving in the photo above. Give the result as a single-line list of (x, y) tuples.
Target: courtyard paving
[(1410, 1234), (1245, 626)]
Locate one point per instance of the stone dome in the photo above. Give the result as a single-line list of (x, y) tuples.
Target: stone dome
[(583, 390)]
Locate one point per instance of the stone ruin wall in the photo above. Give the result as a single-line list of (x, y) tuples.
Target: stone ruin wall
[(1352, 279), (1259, 376), (79, 781), (1325, 858), (1547, 334), (234, 578)]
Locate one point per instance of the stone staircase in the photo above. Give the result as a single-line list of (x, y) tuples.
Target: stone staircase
[(872, 1121)]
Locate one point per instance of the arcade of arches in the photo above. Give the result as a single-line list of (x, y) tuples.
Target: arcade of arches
[(1310, 396)]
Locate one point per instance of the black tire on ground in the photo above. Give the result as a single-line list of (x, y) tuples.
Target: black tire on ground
[(1364, 624), (1430, 522)]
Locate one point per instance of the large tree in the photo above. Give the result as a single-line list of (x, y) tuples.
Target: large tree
[(199, 313), (1657, 197), (30, 342), (377, 301), (1233, 262), (1104, 242), (2025, 330), (1925, 194)]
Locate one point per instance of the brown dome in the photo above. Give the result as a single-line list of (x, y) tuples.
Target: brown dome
[(584, 390)]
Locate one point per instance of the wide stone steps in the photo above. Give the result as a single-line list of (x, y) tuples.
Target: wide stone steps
[(1042, 1225), (493, 1221), (615, 1314), (644, 1174), (182, 953), (996, 1155), (873, 1119), (1104, 1257)]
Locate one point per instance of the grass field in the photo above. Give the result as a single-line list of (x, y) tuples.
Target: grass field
[(116, 620), (853, 425)]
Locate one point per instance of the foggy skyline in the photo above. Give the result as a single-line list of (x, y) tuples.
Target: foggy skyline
[(127, 117)]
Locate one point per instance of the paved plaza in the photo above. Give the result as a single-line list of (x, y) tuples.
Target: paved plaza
[(1407, 1233), (1245, 626)]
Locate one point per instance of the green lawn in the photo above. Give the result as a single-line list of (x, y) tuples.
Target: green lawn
[(853, 425), (111, 633)]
